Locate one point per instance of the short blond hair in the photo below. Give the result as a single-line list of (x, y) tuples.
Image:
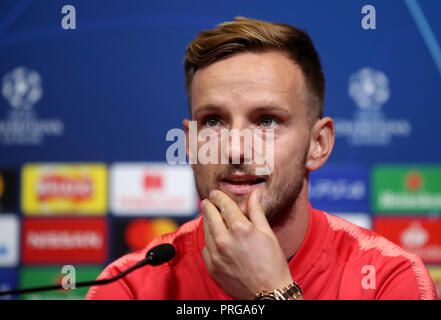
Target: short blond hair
[(245, 34)]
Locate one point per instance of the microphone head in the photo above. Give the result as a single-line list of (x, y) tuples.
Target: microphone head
[(160, 254)]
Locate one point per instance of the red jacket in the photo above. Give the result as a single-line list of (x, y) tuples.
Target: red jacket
[(337, 260)]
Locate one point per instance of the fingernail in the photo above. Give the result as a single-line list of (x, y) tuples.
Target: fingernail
[(203, 203), (212, 194)]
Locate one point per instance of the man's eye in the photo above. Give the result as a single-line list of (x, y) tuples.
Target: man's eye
[(268, 122), (212, 122)]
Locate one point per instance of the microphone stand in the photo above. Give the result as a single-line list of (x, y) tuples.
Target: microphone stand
[(151, 258)]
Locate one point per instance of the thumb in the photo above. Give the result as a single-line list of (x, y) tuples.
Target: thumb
[(256, 212)]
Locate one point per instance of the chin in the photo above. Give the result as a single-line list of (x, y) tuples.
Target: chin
[(241, 202), (243, 206)]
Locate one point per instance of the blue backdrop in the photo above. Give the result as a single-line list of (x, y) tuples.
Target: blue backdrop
[(116, 81)]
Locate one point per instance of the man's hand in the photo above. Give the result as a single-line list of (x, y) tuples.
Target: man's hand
[(242, 255)]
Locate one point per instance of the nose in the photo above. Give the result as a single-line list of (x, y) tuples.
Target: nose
[(237, 144)]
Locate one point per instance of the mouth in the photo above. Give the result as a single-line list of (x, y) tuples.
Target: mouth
[(241, 184)]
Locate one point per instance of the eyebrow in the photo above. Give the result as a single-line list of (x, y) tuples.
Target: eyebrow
[(208, 108), (262, 109), (275, 109)]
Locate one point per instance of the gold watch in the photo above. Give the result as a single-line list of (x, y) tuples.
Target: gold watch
[(290, 292)]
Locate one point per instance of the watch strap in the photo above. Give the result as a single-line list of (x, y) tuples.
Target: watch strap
[(290, 292)]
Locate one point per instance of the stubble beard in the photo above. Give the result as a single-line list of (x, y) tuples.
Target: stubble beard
[(278, 202), (281, 207)]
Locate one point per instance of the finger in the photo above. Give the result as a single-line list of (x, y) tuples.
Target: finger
[(256, 212), (207, 259), (228, 208), (209, 241), (215, 223)]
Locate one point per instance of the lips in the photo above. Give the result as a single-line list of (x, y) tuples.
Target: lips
[(241, 184)]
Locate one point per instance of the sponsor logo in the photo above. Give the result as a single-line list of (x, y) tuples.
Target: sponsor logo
[(9, 240), (415, 236), (153, 181), (64, 189), (406, 189), (139, 232), (152, 189), (64, 240), (8, 190), (22, 89), (30, 277), (414, 181), (339, 189), (370, 90), (74, 189), (418, 236)]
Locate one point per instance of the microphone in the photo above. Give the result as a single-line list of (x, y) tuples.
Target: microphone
[(156, 256)]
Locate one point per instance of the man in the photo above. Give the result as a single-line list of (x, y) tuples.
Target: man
[(258, 236)]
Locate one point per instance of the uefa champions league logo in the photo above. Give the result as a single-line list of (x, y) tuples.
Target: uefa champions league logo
[(22, 88), (369, 125), (369, 89)]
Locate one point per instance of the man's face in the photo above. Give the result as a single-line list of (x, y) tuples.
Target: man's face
[(254, 91)]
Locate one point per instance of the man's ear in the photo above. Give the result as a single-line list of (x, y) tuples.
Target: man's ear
[(321, 143)]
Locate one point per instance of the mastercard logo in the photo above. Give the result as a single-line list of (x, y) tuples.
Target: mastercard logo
[(140, 232)]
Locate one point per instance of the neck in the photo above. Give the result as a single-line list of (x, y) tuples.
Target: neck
[(292, 233)]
